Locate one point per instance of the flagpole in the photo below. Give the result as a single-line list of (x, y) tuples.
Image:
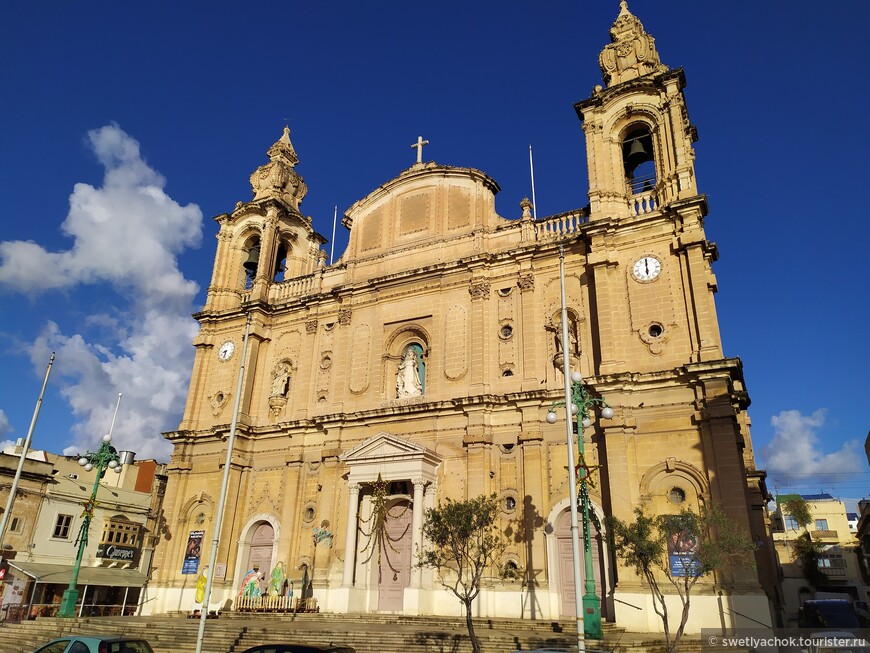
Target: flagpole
[(332, 242), (219, 517), (24, 450), (532, 171)]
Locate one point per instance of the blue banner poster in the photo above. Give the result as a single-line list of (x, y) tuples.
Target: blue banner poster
[(683, 554), (192, 552)]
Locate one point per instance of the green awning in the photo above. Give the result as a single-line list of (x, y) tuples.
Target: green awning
[(61, 574)]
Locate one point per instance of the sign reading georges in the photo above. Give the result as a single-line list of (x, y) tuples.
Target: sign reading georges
[(115, 552)]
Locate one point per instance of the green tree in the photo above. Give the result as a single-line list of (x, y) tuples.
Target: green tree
[(700, 543), (804, 550), (464, 543), (799, 509)]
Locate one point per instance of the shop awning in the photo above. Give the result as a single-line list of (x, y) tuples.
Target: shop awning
[(48, 573)]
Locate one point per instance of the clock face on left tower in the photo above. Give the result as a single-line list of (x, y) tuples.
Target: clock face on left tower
[(647, 268), (226, 350)]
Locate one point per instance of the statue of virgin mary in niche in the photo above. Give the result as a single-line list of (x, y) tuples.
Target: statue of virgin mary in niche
[(408, 381)]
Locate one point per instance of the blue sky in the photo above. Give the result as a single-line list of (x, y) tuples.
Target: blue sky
[(126, 127)]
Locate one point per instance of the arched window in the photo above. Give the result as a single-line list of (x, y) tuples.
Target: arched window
[(280, 263), (252, 261), (637, 157), (411, 375)]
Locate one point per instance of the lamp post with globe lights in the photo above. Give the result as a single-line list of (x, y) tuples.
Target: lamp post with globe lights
[(105, 458), (582, 409), (580, 405)]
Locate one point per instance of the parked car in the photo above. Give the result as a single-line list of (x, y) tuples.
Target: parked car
[(828, 613), (299, 648), (83, 644)]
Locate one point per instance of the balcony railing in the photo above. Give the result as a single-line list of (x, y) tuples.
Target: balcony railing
[(643, 203), (824, 535), (562, 224)]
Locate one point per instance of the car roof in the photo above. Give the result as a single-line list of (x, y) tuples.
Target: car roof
[(298, 648)]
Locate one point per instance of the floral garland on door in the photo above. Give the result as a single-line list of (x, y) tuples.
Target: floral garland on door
[(377, 522)]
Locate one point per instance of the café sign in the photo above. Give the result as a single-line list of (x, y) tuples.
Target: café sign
[(115, 552)]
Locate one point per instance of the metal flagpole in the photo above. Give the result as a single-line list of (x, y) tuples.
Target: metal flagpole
[(532, 170), (572, 481), (223, 496), (332, 242), (24, 450)]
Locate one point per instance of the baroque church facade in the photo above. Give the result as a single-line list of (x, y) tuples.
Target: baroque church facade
[(421, 365)]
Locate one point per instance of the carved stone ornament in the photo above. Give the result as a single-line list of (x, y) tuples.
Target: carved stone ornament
[(479, 290), (311, 326), (278, 179), (344, 315), (526, 282), (526, 206), (217, 401), (631, 53)]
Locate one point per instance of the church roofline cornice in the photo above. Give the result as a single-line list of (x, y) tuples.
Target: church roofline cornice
[(415, 172), (652, 82)]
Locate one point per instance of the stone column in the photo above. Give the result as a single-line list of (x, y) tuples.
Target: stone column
[(417, 531), (350, 535)]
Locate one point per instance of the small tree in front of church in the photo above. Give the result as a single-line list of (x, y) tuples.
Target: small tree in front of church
[(464, 542), (680, 548)]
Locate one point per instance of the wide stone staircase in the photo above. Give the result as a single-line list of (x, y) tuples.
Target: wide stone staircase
[(367, 633)]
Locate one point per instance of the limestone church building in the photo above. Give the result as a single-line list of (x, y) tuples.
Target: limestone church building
[(422, 363)]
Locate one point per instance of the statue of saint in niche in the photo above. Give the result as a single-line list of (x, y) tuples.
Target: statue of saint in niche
[(281, 381), (408, 381)]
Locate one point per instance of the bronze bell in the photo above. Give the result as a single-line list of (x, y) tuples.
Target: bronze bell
[(637, 154), (253, 260)]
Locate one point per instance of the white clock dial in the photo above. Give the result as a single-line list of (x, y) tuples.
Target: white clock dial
[(226, 350), (647, 268)]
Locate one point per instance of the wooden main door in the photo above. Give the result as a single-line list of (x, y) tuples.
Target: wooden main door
[(260, 555), (394, 574), (566, 564)]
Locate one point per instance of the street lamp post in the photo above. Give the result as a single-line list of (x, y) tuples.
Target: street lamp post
[(581, 405), (105, 458)]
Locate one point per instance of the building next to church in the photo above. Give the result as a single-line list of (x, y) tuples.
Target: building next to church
[(421, 366), (44, 528), (838, 559)]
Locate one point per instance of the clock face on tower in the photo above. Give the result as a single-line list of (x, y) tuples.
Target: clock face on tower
[(647, 268), (226, 350)]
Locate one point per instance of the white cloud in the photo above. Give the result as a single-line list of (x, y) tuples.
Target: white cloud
[(126, 236), (5, 426), (794, 453)]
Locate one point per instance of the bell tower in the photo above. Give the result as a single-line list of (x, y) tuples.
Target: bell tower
[(267, 240), (650, 255), (638, 136)]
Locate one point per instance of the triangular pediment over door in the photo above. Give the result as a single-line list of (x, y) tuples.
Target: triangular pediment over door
[(391, 457)]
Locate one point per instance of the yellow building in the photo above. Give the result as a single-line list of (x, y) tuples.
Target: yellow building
[(428, 356), (838, 561)]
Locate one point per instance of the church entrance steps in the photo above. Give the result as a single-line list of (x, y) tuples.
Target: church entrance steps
[(367, 633)]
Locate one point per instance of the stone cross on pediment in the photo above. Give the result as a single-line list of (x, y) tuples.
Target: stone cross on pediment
[(419, 147)]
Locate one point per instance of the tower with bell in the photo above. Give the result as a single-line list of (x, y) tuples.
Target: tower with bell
[(680, 437)]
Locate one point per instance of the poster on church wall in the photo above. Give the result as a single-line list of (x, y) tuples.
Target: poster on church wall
[(682, 554), (192, 552)]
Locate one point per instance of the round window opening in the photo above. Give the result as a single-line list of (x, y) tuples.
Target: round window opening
[(676, 495), (309, 514), (656, 330), (510, 503), (506, 331)]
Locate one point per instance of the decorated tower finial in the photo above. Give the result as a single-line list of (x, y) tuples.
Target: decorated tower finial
[(631, 52), (277, 178)]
